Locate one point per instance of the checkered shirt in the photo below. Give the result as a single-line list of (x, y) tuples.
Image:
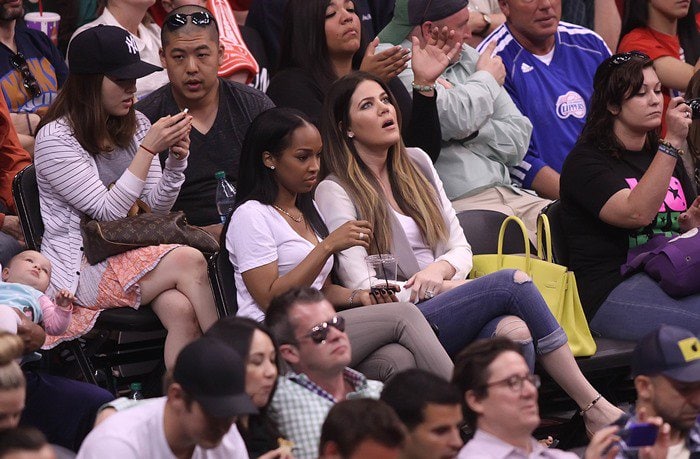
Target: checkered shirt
[(300, 406)]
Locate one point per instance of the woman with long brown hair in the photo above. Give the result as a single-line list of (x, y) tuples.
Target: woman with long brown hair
[(92, 137), (370, 175), (622, 185)]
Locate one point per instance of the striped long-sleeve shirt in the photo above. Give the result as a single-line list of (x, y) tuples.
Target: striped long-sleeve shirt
[(70, 187)]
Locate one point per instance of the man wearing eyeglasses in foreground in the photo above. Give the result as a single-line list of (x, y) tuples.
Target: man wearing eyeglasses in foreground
[(312, 340), (221, 109), (500, 404)]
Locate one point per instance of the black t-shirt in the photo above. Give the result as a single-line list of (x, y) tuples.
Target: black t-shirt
[(217, 150), (597, 250)]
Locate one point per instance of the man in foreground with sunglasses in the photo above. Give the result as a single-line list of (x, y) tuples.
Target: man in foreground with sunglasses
[(500, 405), (221, 109), (312, 340)]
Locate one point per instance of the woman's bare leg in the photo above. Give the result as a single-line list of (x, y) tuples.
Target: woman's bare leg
[(562, 367), (177, 315), (185, 270)]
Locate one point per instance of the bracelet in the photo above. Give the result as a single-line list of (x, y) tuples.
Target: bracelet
[(148, 149), (423, 88), (666, 147), (590, 405), (352, 296)]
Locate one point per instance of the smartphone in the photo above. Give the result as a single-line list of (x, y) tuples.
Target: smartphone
[(637, 435), (393, 288)]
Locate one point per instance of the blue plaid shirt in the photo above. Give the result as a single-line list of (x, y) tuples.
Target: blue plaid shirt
[(300, 406)]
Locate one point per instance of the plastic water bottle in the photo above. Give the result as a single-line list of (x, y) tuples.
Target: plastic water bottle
[(225, 195), (136, 389)]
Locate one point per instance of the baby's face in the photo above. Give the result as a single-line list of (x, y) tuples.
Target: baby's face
[(29, 268)]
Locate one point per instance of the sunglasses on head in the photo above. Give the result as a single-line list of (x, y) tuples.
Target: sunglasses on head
[(319, 333), (28, 80), (621, 58), (199, 18)]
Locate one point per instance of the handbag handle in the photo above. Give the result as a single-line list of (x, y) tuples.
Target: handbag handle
[(544, 238), (526, 242)]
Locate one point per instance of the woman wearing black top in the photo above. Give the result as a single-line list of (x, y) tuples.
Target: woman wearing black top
[(321, 42), (620, 186)]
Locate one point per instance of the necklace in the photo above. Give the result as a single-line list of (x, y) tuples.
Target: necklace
[(298, 219)]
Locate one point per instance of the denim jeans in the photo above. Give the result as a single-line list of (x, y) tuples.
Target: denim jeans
[(463, 312), (638, 306)]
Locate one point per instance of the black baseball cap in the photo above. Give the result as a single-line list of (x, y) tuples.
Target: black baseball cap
[(410, 13), (213, 374), (670, 351), (107, 50)]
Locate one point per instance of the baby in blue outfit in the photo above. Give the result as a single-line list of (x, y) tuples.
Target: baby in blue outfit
[(25, 280)]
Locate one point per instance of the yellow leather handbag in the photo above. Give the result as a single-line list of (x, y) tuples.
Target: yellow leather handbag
[(556, 283)]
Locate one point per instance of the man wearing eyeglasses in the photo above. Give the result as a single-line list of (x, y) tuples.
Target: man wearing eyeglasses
[(500, 405), (221, 109), (312, 340), (500, 401), (549, 75)]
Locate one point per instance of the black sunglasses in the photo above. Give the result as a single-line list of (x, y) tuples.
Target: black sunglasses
[(28, 80), (199, 18), (319, 333), (621, 58)]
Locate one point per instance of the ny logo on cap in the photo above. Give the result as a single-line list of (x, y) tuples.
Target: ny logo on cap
[(131, 44)]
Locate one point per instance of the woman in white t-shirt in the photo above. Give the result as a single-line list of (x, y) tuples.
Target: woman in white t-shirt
[(277, 240)]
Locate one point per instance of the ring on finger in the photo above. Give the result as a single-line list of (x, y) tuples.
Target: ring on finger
[(361, 236), (429, 294)]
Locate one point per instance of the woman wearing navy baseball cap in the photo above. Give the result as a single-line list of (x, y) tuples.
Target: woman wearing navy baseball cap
[(90, 138)]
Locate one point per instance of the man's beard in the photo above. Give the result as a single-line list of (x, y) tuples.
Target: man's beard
[(10, 14)]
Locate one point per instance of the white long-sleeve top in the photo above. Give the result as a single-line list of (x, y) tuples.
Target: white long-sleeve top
[(336, 207), (70, 187)]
